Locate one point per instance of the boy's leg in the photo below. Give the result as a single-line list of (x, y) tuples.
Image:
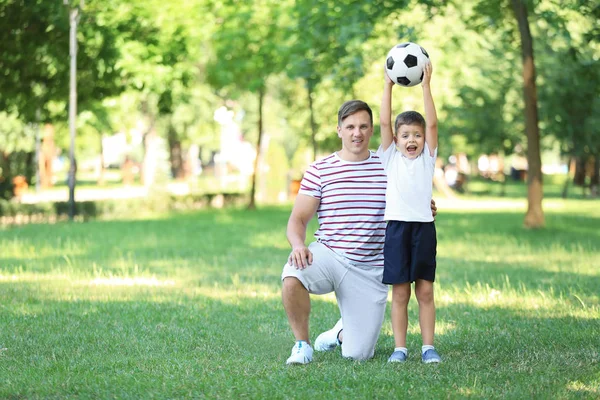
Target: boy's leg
[(424, 293), (400, 298), (362, 299)]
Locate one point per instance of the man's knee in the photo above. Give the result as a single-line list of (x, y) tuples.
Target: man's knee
[(357, 354), (360, 346), (292, 285)]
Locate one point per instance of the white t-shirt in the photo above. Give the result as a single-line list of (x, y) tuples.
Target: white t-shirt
[(410, 181), (352, 204)]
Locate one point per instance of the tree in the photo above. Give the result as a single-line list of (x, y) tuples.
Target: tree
[(569, 97), (535, 214), (498, 16), (245, 58)]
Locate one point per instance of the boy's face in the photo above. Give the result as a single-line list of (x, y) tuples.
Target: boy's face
[(410, 140)]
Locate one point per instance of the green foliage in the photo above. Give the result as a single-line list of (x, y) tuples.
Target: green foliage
[(571, 76), (169, 65), (244, 58), (34, 57)]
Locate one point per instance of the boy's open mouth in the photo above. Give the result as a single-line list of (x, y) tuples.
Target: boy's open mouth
[(411, 148)]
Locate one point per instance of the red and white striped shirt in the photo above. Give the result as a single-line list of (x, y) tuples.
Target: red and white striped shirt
[(352, 206)]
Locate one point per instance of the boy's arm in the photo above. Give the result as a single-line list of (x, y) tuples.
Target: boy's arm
[(385, 114), (431, 121)]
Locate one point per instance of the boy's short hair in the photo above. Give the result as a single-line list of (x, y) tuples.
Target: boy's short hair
[(352, 107), (409, 118)]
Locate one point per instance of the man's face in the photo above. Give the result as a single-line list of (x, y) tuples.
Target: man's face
[(356, 131), (410, 140)]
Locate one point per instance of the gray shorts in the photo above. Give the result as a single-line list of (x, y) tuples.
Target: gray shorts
[(361, 296)]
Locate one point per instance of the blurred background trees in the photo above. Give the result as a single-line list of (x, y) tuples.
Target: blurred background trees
[(156, 73)]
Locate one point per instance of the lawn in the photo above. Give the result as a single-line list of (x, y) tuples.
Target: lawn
[(188, 306)]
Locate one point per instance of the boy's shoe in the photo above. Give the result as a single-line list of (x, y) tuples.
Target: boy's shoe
[(431, 356), (397, 356), (301, 353), (328, 340)]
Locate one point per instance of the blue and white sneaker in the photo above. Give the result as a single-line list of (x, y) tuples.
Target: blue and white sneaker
[(431, 356), (301, 353), (328, 340), (397, 357)]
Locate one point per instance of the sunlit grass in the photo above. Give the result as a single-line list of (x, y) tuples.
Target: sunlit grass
[(189, 306)]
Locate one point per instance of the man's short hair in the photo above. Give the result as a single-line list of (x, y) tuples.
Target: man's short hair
[(409, 118), (352, 107)]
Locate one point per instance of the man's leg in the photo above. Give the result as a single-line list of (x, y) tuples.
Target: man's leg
[(296, 301), (362, 299), (321, 277)]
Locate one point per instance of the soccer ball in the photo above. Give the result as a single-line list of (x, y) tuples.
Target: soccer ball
[(404, 63)]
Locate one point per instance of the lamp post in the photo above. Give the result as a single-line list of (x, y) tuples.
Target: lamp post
[(74, 15)]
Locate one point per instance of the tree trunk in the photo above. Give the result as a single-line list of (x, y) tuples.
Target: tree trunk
[(313, 125), (252, 204), (579, 173), (101, 180), (535, 214), (595, 177), (570, 166), (175, 155), (6, 189)]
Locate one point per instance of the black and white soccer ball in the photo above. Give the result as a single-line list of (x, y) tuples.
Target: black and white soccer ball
[(405, 63)]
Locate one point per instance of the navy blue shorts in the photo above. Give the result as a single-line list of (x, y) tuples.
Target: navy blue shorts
[(409, 252)]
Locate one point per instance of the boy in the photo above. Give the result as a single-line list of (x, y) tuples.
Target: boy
[(410, 239)]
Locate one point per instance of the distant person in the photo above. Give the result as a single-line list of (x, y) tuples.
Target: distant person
[(483, 165), (410, 239), (347, 192), (451, 174)]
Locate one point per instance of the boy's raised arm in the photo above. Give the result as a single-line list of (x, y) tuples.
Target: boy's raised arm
[(385, 114), (431, 121)]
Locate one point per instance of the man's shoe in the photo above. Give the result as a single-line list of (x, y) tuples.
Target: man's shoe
[(397, 356), (328, 340), (301, 353), (431, 356)]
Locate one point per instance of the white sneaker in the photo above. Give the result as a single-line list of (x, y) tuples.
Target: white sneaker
[(328, 340), (301, 353)]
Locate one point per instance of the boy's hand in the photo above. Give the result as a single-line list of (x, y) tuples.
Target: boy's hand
[(386, 77), (427, 71)]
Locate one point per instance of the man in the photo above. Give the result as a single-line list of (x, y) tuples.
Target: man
[(347, 191)]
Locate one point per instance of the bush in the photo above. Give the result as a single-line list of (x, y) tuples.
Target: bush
[(13, 212)]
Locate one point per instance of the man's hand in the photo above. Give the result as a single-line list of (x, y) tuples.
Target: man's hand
[(300, 257), (433, 208)]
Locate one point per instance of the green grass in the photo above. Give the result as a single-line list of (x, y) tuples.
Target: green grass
[(188, 306), (553, 187)]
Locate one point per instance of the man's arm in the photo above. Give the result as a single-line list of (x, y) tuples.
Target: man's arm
[(385, 114), (304, 208), (431, 121)]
